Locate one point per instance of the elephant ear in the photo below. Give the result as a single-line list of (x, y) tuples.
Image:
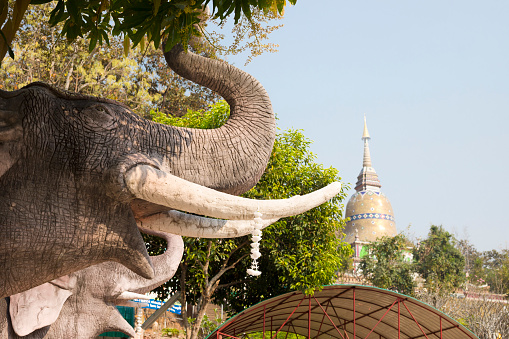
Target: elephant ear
[(40, 306)]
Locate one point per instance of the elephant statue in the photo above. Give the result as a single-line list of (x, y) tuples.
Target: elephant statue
[(79, 175), (82, 304)]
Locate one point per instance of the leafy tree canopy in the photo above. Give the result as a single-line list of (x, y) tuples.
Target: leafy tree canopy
[(493, 270), (136, 21), (388, 266), (141, 79), (439, 262)]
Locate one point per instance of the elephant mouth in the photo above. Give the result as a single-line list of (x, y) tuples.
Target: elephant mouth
[(163, 202)]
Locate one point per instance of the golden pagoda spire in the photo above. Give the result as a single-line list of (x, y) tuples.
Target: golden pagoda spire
[(366, 161), (367, 179), (365, 134)]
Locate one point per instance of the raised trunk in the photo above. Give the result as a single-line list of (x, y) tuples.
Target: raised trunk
[(231, 158)]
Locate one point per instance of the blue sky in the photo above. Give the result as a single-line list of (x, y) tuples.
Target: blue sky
[(432, 78)]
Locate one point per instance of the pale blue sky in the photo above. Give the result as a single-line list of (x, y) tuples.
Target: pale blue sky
[(432, 78)]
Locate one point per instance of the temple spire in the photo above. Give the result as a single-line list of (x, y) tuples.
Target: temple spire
[(367, 179), (365, 134), (366, 161)]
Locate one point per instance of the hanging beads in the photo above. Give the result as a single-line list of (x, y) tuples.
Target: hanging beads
[(256, 236)]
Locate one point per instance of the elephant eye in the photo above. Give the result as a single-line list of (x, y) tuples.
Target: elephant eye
[(98, 117)]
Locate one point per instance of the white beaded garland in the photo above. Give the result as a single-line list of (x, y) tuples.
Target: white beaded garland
[(255, 245)]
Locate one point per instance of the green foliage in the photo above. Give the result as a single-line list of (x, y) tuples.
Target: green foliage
[(214, 117), (300, 252), (304, 249), (494, 271), (170, 332), (439, 262), (135, 22), (386, 265), (208, 325), (141, 80)]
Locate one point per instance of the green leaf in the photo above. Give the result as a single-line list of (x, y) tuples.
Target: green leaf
[(73, 31), (156, 36), (157, 3), (58, 14), (9, 49), (135, 20), (246, 8), (238, 12), (39, 2), (93, 42), (280, 5), (127, 45), (73, 10)]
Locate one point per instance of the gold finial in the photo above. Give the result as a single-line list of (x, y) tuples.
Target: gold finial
[(367, 179), (365, 134)]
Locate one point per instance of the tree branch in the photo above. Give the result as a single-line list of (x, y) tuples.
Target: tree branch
[(232, 252), (215, 279), (232, 283)]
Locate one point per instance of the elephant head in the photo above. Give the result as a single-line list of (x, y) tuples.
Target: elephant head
[(79, 174), (82, 304)]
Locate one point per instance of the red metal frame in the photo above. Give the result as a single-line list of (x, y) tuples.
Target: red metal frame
[(264, 321), (440, 327), (415, 320), (382, 318), (354, 316), (295, 309), (399, 320), (251, 319), (326, 314), (309, 318)]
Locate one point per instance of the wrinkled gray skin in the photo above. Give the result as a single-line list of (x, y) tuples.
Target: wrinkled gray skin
[(90, 309), (63, 202)]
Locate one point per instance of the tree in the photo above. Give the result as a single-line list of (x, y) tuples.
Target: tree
[(486, 318), (141, 79), (495, 270), (439, 262), (473, 260), (301, 252), (135, 21), (486, 268), (387, 266)]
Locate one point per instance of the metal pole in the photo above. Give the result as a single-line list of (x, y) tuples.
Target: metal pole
[(271, 326), (309, 318), (160, 311), (399, 320), (353, 312), (263, 321), (440, 327)]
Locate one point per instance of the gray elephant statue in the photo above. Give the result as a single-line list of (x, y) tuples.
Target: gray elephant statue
[(82, 304), (79, 175)]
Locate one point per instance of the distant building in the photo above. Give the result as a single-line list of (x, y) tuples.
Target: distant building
[(369, 213)]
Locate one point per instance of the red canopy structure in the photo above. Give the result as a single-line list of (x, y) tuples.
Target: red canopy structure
[(346, 312)]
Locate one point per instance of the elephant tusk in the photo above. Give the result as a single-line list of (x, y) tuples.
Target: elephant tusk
[(130, 303), (199, 227), (131, 295), (148, 183)]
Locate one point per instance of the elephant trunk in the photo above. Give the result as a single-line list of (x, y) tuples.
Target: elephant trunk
[(231, 158), (165, 266)]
